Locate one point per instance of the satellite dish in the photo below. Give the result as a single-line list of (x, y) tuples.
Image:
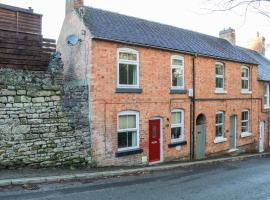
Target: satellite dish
[(72, 40)]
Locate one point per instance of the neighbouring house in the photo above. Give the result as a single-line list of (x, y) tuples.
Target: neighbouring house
[(257, 52), (159, 93)]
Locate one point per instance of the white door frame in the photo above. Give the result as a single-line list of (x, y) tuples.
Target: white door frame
[(261, 137), (161, 138), (235, 131)]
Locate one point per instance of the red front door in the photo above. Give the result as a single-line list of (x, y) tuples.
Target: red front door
[(154, 140)]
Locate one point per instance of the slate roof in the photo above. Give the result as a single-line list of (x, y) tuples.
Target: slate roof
[(264, 64), (117, 27)]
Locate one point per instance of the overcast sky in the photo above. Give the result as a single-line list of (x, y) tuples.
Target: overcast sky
[(189, 14)]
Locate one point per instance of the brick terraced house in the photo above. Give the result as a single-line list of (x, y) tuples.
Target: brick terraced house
[(159, 93)]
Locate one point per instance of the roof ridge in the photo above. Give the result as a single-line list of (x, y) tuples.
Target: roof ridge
[(150, 21), (113, 26)]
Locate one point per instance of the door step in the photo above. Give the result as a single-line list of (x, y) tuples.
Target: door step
[(232, 150)]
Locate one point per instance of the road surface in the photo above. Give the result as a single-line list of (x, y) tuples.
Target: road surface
[(246, 180)]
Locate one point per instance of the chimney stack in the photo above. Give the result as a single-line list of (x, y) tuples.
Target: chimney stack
[(71, 5), (257, 44), (228, 34)]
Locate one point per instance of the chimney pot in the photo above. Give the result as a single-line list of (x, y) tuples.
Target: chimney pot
[(257, 44), (228, 34)]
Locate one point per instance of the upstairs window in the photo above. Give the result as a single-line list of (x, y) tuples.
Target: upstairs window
[(128, 68), (219, 76), (177, 126), (128, 130), (266, 96), (177, 72), (245, 78), (220, 124)]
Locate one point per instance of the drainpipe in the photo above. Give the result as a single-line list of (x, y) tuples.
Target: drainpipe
[(193, 99)]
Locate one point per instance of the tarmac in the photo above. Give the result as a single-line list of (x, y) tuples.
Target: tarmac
[(54, 175)]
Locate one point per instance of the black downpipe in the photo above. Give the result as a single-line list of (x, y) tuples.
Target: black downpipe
[(193, 99)]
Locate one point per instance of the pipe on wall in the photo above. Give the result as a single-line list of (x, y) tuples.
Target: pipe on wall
[(193, 106)]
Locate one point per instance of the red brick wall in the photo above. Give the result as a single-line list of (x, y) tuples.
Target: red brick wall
[(232, 103), (155, 100)]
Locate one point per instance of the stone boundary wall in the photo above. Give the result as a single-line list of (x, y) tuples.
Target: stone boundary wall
[(43, 121)]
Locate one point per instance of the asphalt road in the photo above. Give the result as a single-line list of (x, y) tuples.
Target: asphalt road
[(246, 180)]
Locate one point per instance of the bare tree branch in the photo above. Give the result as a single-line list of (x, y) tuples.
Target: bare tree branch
[(259, 6)]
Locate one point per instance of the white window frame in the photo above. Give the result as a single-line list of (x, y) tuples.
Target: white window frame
[(219, 139), (244, 90), (181, 124), (247, 133), (129, 62), (137, 129), (176, 57), (220, 76), (267, 96)]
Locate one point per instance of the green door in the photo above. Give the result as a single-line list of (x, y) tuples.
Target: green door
[(233, 132), (200, 142)]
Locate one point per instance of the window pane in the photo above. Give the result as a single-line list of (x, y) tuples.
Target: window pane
[(127, 139), (265, 90), (127, 121), (176, 133), (219, 70), (132, 139), (123, 69), (244, 127), (132, 75), (265, 99), (131, 123), (176, 117), (244, 84), (127, 74), (154, 131), (127, 56), (177, 77), (219, 82), (122, 140), (122, 121), (219, 131), (244, 72), (219, 118), (244, 115), (177, 62)]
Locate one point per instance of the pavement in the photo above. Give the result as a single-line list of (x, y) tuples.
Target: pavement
[(55, 175)]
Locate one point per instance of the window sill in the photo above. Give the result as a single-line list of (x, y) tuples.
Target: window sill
[(128, 152), (246, 92), (175, 144), (128, 90), (220, 140), (266, 107), (178, 91), (245, 134), (220, 91)]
